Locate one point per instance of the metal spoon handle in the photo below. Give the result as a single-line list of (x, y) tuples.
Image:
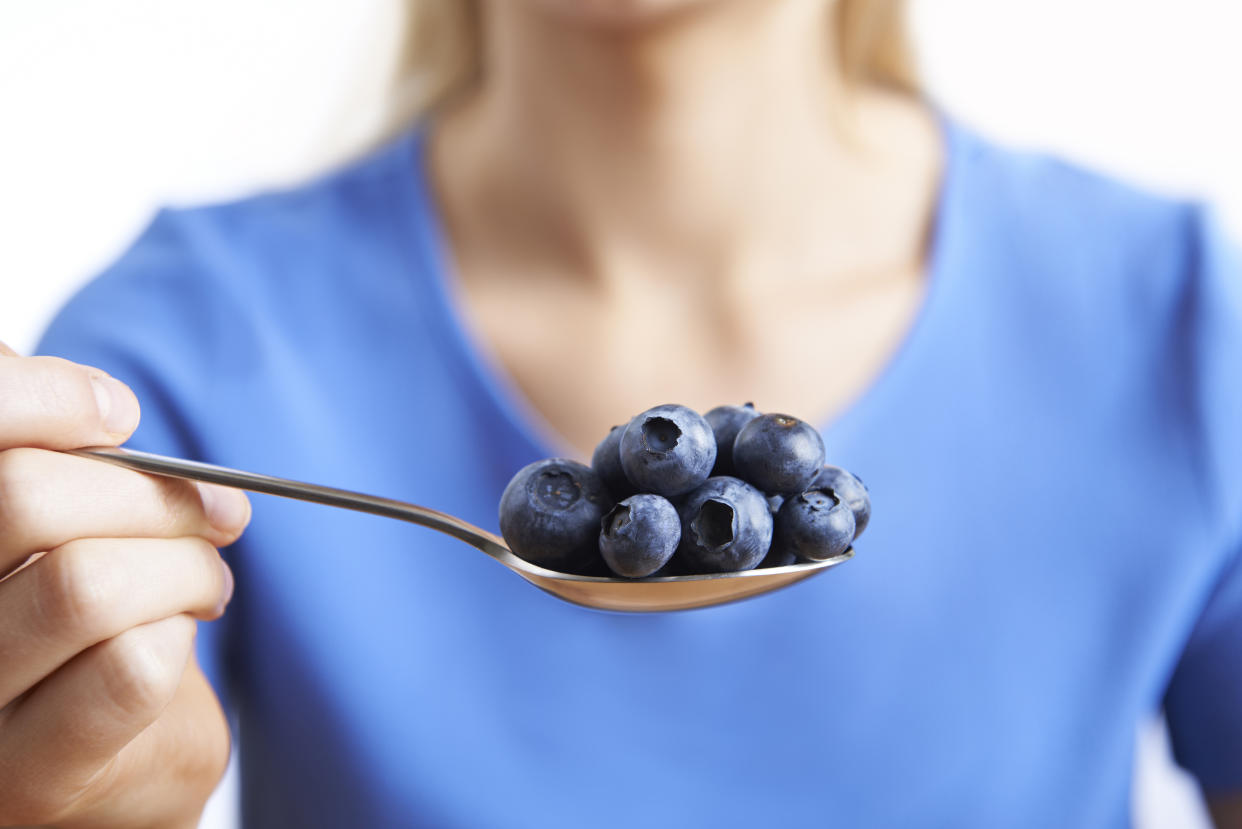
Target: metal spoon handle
[(298, 490)]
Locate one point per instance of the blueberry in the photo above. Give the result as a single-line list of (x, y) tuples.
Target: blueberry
[(550, 514), (815, 525), (778, 453), (639, 535), (668, 450), (725, 526), (850, 489), (775, 557), (726, 422), (606, 461)]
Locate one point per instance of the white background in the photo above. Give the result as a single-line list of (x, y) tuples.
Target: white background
[(110, 109)]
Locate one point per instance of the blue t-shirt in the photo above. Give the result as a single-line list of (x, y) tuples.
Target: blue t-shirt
[(1054, 455)]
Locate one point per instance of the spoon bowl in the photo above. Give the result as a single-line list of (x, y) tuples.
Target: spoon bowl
[(666, 593), (602, 593)]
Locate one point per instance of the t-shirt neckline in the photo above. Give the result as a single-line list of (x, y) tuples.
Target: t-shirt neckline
[(476, 365)]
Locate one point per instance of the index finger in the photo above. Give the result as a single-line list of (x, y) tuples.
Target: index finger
[(50, 403)]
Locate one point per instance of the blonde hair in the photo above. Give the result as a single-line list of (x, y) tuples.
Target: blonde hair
[(441, 50)]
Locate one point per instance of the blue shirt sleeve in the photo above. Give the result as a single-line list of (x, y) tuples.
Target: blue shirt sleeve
[(1203, 702), (122, 322)]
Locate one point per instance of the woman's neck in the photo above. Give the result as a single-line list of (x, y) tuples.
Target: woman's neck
[(708, 143), (688, 209)]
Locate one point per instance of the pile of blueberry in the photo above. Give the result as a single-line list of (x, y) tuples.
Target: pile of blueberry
[(673, 493)]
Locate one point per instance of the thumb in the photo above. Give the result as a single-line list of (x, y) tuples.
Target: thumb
[(51, 403)]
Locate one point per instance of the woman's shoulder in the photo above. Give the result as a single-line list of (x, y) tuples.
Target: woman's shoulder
[(1101, 249), (309, 219), (210, 278), (264, 245), (1042, 196), (1040, 223)]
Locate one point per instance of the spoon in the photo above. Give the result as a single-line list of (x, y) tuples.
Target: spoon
[(602, 593)]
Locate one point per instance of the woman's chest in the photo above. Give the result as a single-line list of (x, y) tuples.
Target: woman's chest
[(586, 361)]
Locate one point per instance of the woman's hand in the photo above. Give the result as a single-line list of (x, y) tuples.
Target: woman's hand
[(105, 718)]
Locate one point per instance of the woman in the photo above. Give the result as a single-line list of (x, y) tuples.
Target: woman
[(614, 205)]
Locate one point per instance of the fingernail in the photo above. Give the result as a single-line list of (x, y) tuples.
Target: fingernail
[(118, 408), (227, 509), (228, 585)]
